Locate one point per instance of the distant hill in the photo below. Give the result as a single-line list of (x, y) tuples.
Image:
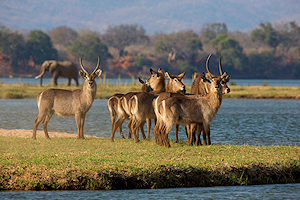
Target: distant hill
[(154, 15)]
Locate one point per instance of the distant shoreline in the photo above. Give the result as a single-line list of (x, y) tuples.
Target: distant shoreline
[(104, 91)]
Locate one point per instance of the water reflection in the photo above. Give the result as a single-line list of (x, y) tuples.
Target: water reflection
[(239, 121), (276, 191)]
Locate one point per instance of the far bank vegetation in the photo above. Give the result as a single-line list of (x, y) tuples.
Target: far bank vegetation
[(268, 51)]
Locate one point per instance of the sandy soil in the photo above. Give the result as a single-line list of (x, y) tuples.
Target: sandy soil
[(28, 133)]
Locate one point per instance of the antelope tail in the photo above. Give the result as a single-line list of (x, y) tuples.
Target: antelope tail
[(134, 106), (156, 110), (120, 108), (125, 106)]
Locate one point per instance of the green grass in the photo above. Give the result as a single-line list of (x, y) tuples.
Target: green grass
[(96, 163), (272, 92), (104, 91)]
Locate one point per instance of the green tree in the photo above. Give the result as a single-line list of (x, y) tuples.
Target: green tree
[(215, 42), (13, 45), (88, 46), (124, 35), (266, 34), (212, 30), (184, 45), (63, 35), (232, 52), (39, 47), (289, 35)]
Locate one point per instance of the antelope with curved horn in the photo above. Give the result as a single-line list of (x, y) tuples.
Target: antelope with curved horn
[(140, 104), (188, 109), (67, 103), (199, 86)]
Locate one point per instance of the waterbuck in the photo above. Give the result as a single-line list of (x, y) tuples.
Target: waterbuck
[(112, 104), (188, 109), (140, 104), (67, 103), (156, 82), (200, 86)]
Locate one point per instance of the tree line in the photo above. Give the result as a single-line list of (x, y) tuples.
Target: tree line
[(268, 51)]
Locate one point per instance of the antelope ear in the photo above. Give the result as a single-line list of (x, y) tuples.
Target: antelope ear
[(160, 71), (141, 81), (181, 75), (167, 75), (204, 78), (195, 75), (208, 76), (152, 71), (98, 73), (81, 73)]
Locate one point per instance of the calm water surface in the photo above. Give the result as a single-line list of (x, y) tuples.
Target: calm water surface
[(239, 121), (276, 191)]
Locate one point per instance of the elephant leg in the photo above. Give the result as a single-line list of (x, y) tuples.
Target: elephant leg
[(69, 81), (55, 77), (41, 81), (76, 81)]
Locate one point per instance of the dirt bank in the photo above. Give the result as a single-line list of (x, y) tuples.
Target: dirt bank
[(39, 134)]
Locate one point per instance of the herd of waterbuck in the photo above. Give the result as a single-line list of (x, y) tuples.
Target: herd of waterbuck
[(167, 103)]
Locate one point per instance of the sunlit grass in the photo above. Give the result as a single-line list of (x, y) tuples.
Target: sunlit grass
[(45, 162), (104, 90)]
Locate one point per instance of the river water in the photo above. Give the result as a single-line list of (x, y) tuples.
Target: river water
[(276, 191), (239, 121)]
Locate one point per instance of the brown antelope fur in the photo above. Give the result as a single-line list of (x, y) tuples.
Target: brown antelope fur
[(68, 103), (141, 107), (199, 86), (156, 82), (112, 104), (188, 109)]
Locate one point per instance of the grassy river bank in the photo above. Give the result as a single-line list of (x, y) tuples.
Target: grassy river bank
[(25, 91), (96, 163)]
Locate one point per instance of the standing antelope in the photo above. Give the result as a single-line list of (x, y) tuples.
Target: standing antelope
[(188, 109), (200, 86), (67, 103), (112, 104), (140, 104), (156, 83)]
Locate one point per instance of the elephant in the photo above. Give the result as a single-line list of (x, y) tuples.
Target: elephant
[(65, 69)]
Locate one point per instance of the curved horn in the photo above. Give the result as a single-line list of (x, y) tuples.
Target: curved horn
[(220, 66), (98, 64), (207, 64), (81, 65)]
